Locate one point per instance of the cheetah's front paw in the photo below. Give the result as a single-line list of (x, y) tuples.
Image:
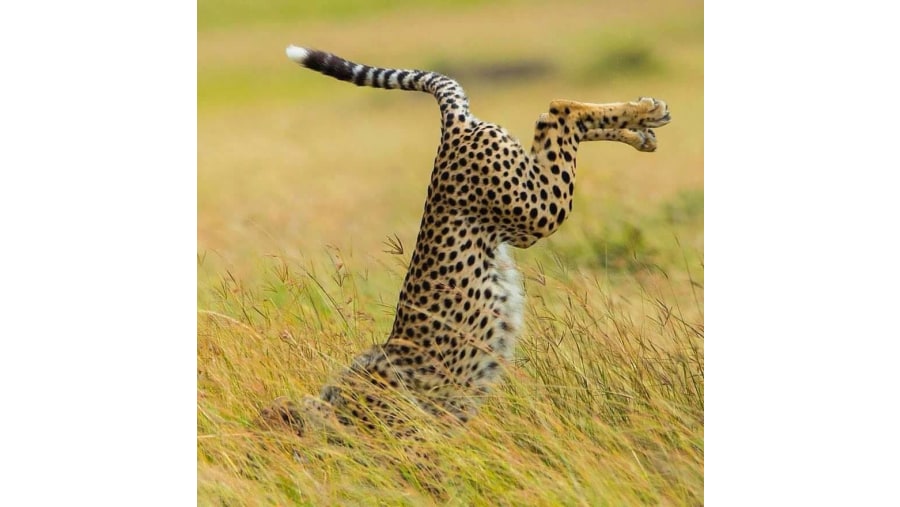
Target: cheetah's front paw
[(648, 140), (652, 112)]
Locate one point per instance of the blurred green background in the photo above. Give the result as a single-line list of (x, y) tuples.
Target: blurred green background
[(297, 165)]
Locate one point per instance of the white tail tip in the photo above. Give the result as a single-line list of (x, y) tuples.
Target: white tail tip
[(297, 54)]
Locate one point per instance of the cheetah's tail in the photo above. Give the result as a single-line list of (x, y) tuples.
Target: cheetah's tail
[(450, 96)]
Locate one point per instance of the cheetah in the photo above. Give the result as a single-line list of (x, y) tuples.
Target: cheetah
[(461, 305)]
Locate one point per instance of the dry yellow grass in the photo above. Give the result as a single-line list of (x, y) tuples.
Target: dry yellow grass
[(301, 178)]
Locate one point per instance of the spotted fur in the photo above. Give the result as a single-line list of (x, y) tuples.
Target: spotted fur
[(460, 309)]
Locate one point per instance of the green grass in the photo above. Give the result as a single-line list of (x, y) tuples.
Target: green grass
[(302, 180)]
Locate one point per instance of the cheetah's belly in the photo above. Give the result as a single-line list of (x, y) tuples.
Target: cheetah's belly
[(510, 305)]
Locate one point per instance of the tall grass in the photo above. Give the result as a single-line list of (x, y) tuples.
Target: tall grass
[(604, 405)]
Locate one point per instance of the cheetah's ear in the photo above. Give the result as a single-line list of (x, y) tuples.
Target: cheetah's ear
[(318, 409), (282, 414)]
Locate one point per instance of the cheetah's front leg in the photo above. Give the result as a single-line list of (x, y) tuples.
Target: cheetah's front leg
[(625, 122), (643, 113), (556, 137), (639, 139)]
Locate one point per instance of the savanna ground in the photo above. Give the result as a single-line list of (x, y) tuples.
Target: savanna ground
[(307, 186)]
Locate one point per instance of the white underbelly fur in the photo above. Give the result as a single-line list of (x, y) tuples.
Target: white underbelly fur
[(509, 284)]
